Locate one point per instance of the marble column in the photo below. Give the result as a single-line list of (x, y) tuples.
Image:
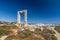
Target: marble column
[(18, 19), (25, 11), (26, 16)]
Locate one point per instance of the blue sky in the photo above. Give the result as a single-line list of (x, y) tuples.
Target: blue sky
[(39, 11)]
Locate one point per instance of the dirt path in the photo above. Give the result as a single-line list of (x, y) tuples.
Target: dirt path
[(57, 34), (3, 37)]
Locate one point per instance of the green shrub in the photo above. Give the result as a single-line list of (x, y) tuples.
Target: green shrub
[(48, 31), (2, 32), (53, 37)]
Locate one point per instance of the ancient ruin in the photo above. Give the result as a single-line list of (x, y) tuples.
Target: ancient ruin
[(19, 17)]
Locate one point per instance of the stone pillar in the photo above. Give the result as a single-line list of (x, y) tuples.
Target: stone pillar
[(25, 11), (18, 19)]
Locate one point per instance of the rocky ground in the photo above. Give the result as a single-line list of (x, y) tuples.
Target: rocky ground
[(7, 31)]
